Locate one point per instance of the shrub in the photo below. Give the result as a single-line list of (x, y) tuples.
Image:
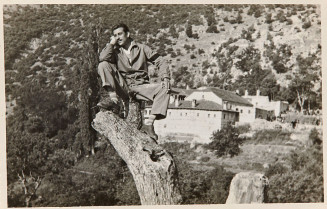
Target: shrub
[(270, 136), (205, 159), (187, 47), (203, 187), (288, 77), (244, 128), (314, 137), (306, 25), (268, 18), (195, 35), (275, 169), (189, 32), (302, 181), (226, 141), (201, 51), (289, 22), (297, 29), (212, 29), (257, 13)]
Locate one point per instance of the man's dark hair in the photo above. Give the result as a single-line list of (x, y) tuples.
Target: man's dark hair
[(120, 25)]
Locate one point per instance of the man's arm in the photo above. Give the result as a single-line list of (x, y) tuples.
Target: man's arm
[(158, 61), (107, 54), (162, 65)]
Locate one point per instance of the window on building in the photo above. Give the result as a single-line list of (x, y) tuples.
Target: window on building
[(236, 109), (181, 114), (214, 115), (249, 111), (202, 96), (241, 111), (208, 115), (165, 125), (198, 114), (186, 114), (149, 112), (224, 116)]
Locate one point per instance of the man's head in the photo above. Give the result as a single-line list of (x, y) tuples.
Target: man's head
[(121, 33)]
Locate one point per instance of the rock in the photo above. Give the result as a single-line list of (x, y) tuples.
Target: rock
[(248, 187)]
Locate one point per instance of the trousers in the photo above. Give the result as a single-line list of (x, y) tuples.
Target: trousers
[(155, 93)]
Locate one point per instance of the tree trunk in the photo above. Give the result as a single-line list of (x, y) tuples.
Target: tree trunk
[(300, 99), (153, 168), (30, 186)]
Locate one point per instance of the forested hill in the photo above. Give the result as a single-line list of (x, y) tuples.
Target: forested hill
[(52, 83)]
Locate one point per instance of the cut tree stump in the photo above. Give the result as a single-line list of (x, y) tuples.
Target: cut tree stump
[(153, 168)]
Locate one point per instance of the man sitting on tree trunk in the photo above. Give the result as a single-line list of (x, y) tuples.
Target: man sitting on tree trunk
[(123, 69)]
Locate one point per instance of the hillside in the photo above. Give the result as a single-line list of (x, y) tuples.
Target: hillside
[(51, 56)]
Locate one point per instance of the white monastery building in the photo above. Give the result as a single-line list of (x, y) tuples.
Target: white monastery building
[(274, 108), (196, 114)]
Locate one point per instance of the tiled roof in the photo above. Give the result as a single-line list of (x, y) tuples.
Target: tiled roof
[(228, 96), (185, 92), (223, 94), (200, 105)]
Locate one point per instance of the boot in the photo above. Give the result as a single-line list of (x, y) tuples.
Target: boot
[(108, 104), (149, 130)]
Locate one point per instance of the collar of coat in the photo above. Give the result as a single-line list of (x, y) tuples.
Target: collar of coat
[(133, 44)]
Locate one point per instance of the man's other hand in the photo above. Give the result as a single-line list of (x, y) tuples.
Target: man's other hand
[(166, 84)]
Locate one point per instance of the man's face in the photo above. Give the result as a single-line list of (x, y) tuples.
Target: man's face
[(121, 36)]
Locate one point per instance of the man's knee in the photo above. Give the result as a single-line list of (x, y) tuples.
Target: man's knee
[(106, 66)]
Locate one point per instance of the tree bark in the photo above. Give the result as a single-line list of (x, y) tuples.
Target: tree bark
[(153, 168), (30, 186)]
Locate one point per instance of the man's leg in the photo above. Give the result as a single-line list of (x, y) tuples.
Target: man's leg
[(155, 93), (160, 98), (113, 84)]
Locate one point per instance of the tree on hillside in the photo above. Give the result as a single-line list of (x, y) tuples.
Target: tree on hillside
[(249, 59), (173, 32), (182, 77), (226, 141), (306, 77), (209, 14), (212, 29), (268, 18), (269, 86), (302, 85), (88, 90), (254, 81), (189, 31), (239, 19)]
